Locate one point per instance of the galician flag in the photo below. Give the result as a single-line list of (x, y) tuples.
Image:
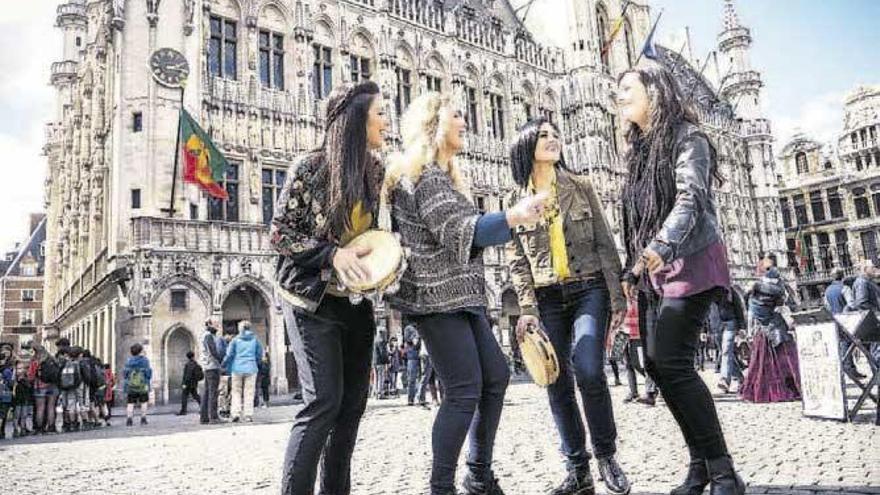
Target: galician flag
[(204, 165)]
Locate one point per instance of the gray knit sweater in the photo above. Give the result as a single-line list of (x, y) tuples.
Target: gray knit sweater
[(437, 224)]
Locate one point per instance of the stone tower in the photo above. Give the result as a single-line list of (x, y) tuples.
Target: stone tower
[(741, 86)]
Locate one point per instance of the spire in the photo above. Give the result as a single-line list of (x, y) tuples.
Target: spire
[(730, 19)]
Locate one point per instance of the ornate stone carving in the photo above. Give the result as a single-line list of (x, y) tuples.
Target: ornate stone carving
[(153, 12)]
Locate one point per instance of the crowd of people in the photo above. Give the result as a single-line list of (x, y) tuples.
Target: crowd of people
[(406, 367), (35, 385)]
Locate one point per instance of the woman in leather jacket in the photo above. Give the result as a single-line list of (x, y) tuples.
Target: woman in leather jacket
[(676, 259), (331, 196)]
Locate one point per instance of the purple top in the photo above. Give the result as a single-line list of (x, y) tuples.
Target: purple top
[(696, 273)]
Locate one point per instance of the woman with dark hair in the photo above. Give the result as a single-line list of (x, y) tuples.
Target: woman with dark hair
[(676, 258), (566, 272), (330, 197), (443, 291)]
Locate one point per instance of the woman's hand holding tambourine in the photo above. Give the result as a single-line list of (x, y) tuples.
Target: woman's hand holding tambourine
[(348, 261)]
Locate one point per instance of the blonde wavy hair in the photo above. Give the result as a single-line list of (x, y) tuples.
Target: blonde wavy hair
[(423, 130)]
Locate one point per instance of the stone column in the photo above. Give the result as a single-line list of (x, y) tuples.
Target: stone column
[(277, 351)]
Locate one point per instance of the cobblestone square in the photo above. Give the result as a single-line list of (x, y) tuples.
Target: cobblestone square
[(777, 450)]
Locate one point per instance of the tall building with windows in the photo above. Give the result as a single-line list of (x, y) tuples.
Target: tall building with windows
[(21, 286), (830, 197), (134, 257)]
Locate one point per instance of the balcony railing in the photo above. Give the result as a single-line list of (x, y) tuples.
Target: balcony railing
[(172, 234), (71, 9), (65, 68)]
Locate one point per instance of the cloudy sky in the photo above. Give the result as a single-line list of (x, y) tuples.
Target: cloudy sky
[(811, 54)]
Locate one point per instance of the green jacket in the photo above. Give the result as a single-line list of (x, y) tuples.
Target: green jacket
[(589, 244)]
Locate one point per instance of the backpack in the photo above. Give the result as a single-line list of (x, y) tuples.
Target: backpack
[(98, 374), (87, 371), (49, 371), (6, 387), (70, 375), (137, 381), (199, 374)]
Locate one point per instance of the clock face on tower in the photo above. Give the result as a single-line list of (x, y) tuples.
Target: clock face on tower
[(169, 67)]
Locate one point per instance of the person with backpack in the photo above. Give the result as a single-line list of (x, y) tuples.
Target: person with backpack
[(137, 375), (241, 360), (45, 374), (90, 384), (99, 391), (71, 388), (192, 375), (22, 400)]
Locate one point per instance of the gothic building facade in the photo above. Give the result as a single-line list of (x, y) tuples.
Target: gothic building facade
[(128, 262)]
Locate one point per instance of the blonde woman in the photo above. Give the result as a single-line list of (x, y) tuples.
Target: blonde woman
[(444, 291)]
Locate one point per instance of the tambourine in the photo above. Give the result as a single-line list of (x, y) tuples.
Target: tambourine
[(539, 356), (387, 263)]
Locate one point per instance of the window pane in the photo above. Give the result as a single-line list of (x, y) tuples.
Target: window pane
[(215, 26), (268, 200), (230, 30), (267, 176), (279, 42), (278, 75), (264, 39), (214, 56), (264, 67), (280, 178), (232, 172), (328, 81), (215, 209), (232, 203), (230, 61)]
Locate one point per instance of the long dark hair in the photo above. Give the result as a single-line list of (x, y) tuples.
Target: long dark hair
[(354, 172), (650, 190), (522, 151)]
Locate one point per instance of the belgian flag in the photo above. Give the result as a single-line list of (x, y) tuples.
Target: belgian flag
[(204, 165)]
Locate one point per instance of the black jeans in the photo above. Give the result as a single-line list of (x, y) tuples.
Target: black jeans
[(673, 333), (208, 407), (575, 317), (473, 371), (191, 391), (333, 349)]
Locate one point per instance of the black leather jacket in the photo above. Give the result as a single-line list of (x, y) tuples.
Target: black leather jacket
[(692, 225)]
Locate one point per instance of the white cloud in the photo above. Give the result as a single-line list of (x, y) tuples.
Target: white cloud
[(820, 118)]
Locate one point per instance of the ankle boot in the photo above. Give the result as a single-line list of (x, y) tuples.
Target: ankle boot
[(724, 480), (696, 480)]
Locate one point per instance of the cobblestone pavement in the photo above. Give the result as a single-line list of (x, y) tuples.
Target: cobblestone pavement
[(776, 449)]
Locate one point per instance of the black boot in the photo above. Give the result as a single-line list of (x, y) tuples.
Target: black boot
[(696, 480), (724, 480), (578, 482), (481, 484)]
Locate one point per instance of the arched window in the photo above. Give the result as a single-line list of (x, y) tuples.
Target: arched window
[(602, 35), (800, 159), (322, 71), (361, 58), (404, 75)]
